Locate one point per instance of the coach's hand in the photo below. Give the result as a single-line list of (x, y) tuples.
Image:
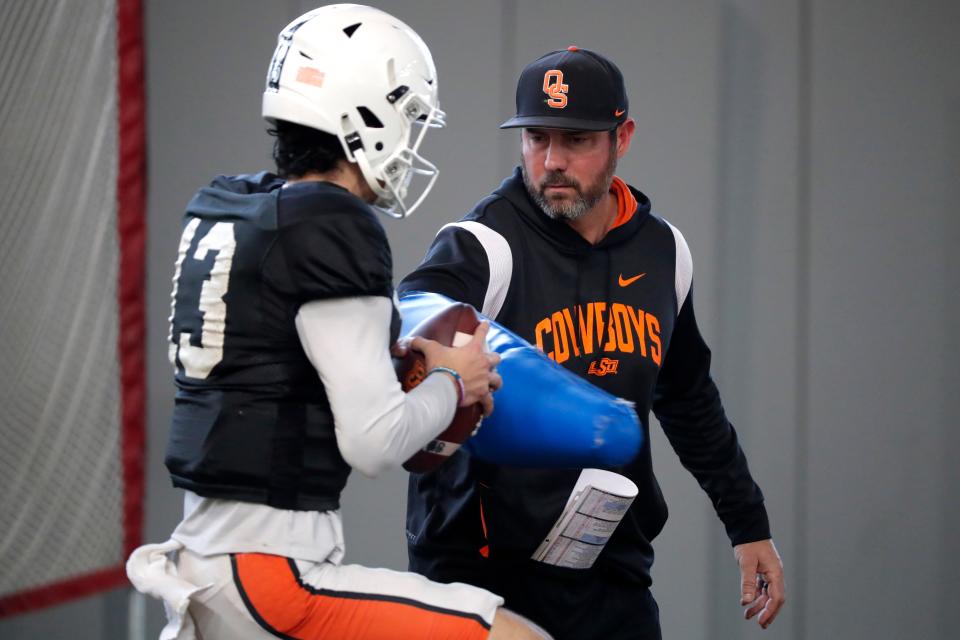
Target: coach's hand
[(761, 580)]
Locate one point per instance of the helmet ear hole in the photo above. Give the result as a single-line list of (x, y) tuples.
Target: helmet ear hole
[(369, 118)]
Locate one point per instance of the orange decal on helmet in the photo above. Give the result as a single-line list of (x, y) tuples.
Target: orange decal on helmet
[(555, 89), (309, 75)]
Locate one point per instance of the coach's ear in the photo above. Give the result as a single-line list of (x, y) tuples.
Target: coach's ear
[(624, 136)]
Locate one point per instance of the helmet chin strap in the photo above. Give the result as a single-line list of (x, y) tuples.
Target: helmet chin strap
[(425, 168), (387, 197)]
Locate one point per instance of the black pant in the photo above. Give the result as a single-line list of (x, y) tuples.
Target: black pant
[(573, 604)]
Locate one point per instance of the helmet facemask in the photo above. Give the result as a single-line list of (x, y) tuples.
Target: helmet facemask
[(391, 177)]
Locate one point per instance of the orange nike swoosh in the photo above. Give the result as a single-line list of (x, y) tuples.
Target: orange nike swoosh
[(619, 112), (629, 281)]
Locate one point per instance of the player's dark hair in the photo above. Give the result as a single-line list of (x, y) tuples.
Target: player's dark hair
[(299, 150)]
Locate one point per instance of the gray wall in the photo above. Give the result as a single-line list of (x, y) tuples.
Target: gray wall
[(810, 152)]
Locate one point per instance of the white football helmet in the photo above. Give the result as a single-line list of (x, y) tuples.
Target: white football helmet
[(362, 75)]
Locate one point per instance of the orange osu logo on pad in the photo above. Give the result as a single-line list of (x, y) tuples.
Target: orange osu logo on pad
[(555, 89)]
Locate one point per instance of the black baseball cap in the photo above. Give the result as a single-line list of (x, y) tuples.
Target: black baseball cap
[(571, 88)]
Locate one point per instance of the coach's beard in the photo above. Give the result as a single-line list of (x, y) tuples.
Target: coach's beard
[(567, 208)]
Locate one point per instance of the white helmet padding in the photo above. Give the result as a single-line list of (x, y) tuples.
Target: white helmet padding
[(364, 76)]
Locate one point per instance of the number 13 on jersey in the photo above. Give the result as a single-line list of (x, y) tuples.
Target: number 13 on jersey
[(198, 311)]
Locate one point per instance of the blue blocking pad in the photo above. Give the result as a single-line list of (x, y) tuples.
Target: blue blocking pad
[(544, 415)]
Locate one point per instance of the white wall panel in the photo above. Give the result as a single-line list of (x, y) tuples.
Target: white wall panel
[(757, 125), (882, 494)]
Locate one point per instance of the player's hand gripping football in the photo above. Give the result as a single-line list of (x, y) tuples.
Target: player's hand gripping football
[(472, 361)]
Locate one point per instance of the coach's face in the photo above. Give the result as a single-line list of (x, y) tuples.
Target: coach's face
[(567, 172)]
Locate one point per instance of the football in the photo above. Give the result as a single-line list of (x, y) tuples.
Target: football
[(451, 327)]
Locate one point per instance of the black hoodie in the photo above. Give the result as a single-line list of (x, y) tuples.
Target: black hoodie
[(618, 313)]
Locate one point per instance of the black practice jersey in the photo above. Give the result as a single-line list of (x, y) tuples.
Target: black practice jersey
[(252, 421)]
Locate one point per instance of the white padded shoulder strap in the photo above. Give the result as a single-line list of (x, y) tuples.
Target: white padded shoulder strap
[(500, 261)]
